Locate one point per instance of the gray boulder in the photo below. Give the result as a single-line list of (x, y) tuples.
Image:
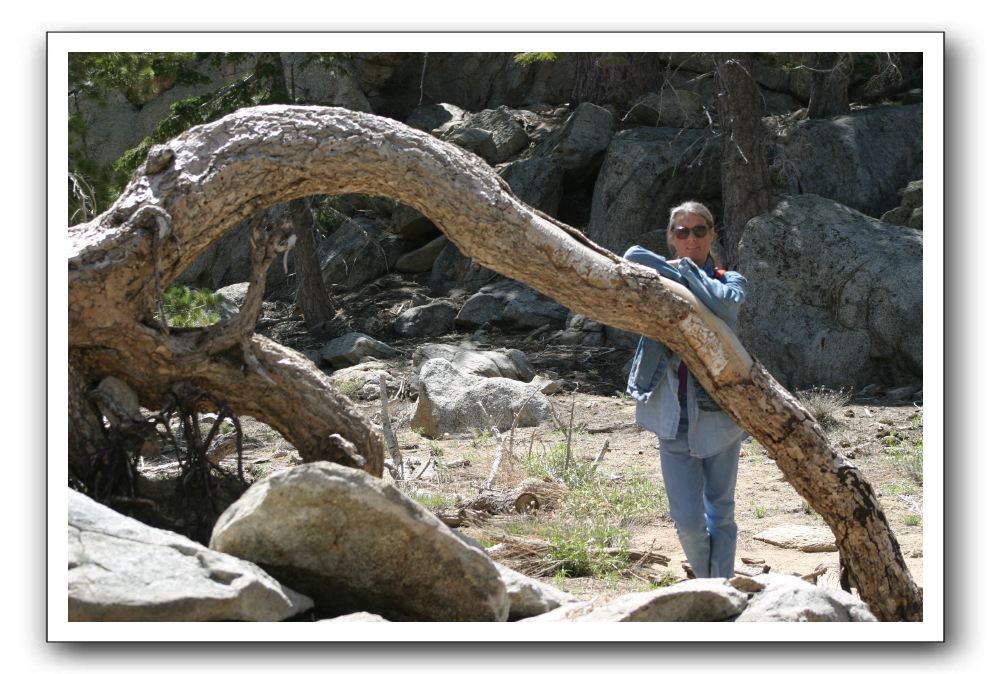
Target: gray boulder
[(123, 570), (452, 268), (227, 261), (451, 401), (479, 309), (475, 140), (785, 598), (359, 251), (423, 258), (408, 223), (508, 363), (353, 348), (494, 135), (581, 330), (361, 382), (233, 297), (700, 600), (356, 543), (834, 297), (436, 117), (537, 181), (428, 320), (676, 108), (511, 302), (647, 171), (470, 80), (313, 83), (909, 212), (860, 160), (529, 597), (578, 146)]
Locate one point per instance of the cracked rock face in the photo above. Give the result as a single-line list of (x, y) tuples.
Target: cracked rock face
[(123, 570)]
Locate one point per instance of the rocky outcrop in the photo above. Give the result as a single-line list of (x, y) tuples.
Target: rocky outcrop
[(428, 320), (494, 135), (469, 80), (353, 348), (677, 108), (359, 251), (529, 597), (511, 303), (508, 363), (123, 570), (776, 597), (451, 401), (356, 543), (909, 212), (539, 181), (361, 382), (834, 297), (860, 160), (645, 173), (423, 258), (766, 597)]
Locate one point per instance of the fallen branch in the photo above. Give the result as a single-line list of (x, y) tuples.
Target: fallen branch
[(390, 438), (529, 495)]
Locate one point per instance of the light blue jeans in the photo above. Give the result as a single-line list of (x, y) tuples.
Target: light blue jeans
[(701, 496)]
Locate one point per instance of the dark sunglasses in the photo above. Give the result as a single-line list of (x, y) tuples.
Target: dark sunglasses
[(698, 230)]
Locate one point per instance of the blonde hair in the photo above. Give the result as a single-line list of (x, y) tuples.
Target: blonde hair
[(686, 208)]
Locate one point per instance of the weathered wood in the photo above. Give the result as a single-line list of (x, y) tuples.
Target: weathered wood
[(531, 494), (212, 176), (390, 437)]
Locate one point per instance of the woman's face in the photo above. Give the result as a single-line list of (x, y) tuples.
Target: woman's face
[(695, 248)]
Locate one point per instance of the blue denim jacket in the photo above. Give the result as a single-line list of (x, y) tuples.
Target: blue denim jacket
[(653, 380)]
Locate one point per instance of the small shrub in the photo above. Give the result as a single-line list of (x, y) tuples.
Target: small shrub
[(760, 512), (433, 501), (907, 459), (188, 308), (581, 548), (823, 403), (531, 57), (551, 464), (349, 387), (912, 520)]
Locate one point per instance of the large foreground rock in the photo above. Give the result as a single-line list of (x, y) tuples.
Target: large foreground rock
[(356, 543), (769, 597), (834, 297), (529, 597), (703, 599), (451, 401), (784, 598), (123, 570)]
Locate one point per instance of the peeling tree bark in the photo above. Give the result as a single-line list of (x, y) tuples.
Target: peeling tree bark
[(214, 175)]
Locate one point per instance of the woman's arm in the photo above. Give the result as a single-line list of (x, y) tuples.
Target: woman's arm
[(648, 258), (722, 297)]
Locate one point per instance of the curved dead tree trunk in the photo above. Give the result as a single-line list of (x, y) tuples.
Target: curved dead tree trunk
[(210, 177)]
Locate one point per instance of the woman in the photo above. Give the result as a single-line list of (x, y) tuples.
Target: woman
[(699, 444)]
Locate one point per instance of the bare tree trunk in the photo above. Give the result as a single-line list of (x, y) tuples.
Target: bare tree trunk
[(745, 179), (212, 176), (311, 293), (829, 95)]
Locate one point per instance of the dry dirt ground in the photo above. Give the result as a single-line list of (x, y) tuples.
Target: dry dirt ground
[(621, 503)]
